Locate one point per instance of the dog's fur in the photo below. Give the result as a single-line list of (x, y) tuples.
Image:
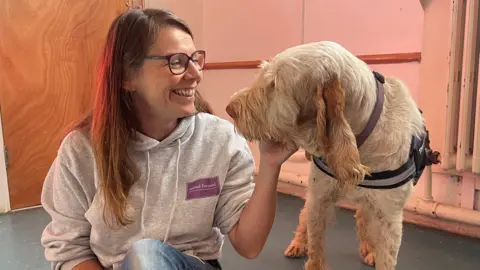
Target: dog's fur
[(318, 96)]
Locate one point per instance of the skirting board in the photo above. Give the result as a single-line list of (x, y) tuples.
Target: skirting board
[(408, 217)]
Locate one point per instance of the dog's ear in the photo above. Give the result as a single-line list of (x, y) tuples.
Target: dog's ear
[(308, 156), (337, 137)]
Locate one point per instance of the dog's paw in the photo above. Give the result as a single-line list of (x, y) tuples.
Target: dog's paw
[(367, 253), (365, 249), (369, 259), (296, 249)]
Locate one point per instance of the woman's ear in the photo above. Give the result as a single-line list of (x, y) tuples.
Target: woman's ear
[(339, 143)]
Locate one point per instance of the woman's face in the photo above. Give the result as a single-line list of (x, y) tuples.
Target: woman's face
[(164, 87)]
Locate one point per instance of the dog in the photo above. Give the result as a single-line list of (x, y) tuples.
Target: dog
[(321, 98)]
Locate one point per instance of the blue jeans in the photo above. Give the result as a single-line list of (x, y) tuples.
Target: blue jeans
[(149, 254)]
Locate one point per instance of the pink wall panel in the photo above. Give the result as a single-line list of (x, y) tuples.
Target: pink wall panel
[(366, 27), (250, 29), (407, 72), (219, 85)]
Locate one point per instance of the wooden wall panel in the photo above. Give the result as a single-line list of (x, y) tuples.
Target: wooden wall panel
[(48, 52)]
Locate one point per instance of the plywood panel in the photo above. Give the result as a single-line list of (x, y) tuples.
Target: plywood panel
[(250, 29), (48, 51), (366, 27)]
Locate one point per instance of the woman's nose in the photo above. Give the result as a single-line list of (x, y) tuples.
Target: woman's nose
[(192, 71)]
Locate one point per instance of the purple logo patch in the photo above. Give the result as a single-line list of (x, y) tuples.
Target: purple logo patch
[(202, 188)]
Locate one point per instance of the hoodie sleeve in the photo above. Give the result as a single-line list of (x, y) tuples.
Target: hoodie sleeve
[(237, 188), (66, 237)]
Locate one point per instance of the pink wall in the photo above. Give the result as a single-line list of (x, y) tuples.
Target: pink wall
[(239, 32), (250, 29), (255, 30), (366, 27)]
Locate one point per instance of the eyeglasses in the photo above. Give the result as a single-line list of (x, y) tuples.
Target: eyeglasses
[(178, 62)]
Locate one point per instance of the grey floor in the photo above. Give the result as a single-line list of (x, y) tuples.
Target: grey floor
[(422, 249)]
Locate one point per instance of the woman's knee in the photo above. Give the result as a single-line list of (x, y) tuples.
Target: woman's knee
[(153, 254), (149, 244)]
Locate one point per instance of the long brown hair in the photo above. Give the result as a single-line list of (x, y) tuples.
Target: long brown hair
[(112, 122)]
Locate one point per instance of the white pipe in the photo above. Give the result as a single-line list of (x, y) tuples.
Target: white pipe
[(425, 3), (443, 211), (467, 88), (454, 84), (427, 186), (418, 205), (474, 6)]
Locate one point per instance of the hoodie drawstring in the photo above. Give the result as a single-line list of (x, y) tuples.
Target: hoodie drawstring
[(142, 223), (172, 212)]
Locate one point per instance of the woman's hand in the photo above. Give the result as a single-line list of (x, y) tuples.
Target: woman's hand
[(249, 235), (275, 154)]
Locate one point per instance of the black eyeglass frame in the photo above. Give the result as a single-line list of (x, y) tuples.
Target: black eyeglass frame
[(189, 59)]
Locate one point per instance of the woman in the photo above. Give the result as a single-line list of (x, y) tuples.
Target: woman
[(146, 181)]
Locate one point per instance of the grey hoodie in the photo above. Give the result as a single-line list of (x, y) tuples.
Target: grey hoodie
[(192, 189)]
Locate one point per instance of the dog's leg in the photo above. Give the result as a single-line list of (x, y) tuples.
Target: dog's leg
[(317, 225), (362, 217), (385, 228), (323, 193), (388, 227), (298, 245)]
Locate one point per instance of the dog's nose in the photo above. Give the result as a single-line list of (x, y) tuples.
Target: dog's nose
[(230, 111)]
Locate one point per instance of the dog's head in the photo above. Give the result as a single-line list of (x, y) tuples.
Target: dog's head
[(298, 98)]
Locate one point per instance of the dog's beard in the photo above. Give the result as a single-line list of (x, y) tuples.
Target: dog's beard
[(249, 136), (263, 135), (248, 128)]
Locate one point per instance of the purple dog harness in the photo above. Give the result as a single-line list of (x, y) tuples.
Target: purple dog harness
[(420, 152)]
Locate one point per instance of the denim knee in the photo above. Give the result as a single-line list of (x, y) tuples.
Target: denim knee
[(153, 254), (147, 244)]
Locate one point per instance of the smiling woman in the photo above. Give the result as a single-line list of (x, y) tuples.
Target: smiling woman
[(149, 180)]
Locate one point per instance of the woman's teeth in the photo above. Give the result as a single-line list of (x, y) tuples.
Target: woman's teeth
[(185, 92)]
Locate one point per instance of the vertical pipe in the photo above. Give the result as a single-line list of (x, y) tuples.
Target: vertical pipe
[(427, 186), (454, 83), (467, 93), (474, 6)]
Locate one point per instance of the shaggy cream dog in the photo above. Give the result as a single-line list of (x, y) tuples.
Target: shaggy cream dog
[(319, 97)]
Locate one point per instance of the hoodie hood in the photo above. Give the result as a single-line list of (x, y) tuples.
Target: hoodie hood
[(181, 133)]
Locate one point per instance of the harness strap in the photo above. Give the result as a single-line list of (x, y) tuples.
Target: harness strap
[(377, 110), (379, 180)]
